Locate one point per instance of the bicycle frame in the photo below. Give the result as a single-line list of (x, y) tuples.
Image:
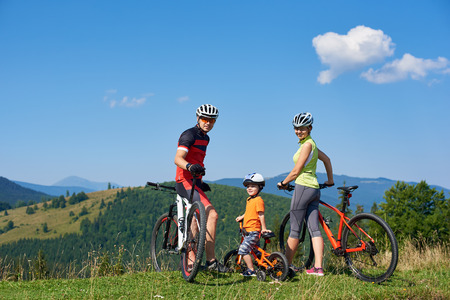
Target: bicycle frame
[(336, 243), (183, 206), (263, 261)]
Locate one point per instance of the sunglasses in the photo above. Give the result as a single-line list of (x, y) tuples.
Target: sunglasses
[(206, 120)]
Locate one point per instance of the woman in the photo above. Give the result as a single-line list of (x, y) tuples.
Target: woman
[(305, 200)]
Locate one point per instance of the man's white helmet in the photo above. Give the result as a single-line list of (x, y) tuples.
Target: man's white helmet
[(255, 178), (207, 111), (302, 119)]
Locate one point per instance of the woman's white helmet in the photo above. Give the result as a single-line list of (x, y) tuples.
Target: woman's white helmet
[(302, 119), (255, 178), (207, 111)]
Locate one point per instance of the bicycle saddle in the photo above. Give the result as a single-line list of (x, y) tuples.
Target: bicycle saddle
[(348, 188), (268, 235)]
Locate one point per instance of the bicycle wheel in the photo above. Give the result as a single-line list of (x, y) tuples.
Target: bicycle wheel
[(281, 268), (304, 256), (192, 253), (231, 261), (378, 261), (163, 257)]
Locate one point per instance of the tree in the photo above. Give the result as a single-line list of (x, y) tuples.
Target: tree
[(83, 211), (109, 185), (29, 210), (9, 226), (45, 228), (416, 211)]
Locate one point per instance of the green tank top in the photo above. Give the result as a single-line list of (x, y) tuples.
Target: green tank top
[(307, 176)]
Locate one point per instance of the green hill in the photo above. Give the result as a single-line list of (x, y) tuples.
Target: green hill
[(118, 217), (11, 193)]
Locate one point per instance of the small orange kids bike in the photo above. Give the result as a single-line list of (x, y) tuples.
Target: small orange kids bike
[(273, 264), (366, 241)]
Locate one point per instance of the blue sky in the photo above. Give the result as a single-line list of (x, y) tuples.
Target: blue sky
[(103, 89)]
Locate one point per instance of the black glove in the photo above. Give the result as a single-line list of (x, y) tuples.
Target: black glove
[(205, 187), (197, 170)]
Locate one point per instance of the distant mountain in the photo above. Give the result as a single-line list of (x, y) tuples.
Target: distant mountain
[(369, 190), (55, 190), (11, 192), (81, 182)]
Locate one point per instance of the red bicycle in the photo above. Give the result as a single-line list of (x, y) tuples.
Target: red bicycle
[(366, 241)]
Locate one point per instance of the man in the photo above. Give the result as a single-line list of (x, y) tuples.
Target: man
[(189, 159)]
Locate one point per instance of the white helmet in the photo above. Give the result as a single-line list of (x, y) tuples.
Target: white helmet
[(207, 111), (255, 178), (303, 119)]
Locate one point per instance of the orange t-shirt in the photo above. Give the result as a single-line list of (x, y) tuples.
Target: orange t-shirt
[(251, 217)]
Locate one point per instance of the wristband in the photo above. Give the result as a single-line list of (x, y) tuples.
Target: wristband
[(282, 184), (188, 165)]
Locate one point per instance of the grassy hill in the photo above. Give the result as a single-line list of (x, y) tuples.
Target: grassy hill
[(59, 221), (127, 218)]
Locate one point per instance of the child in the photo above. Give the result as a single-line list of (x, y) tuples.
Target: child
[(253, 220)]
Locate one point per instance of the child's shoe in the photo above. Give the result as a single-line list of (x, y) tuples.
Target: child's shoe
[(315, 271), (248, 273), (294, 268)]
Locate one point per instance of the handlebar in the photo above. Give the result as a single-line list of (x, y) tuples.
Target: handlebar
[(160, 186), (291, 187)]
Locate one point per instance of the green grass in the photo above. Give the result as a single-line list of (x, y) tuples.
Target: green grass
[(418, 284)]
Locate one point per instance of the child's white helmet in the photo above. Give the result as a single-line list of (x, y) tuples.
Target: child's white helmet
[(255, 178)]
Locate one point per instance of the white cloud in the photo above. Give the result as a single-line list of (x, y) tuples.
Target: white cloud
[(126, 101), (183, 99), (407, 66), (360, 47)]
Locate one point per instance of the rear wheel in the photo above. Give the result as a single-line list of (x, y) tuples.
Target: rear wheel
[(280, 269), (379, 259), (192, 253), (163, 256), (304, 256)]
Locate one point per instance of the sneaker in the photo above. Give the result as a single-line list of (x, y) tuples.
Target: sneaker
[(248, 273), (294, 268), (217, 267), (315, 271)]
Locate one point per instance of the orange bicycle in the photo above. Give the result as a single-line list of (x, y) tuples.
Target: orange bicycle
[(274, 264), (366, 241)]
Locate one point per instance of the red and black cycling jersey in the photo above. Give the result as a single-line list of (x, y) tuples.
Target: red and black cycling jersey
[(194, 142)]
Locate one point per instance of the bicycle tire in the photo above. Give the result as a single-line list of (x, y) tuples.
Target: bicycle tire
[(162, 259), (281, 268), (192, 253), (304, 255), (378, 262), (230, 261)]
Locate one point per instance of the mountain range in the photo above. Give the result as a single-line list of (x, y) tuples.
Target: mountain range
[(370, 189), (71, 184)]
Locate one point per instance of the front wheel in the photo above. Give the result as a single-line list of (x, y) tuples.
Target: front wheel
[(280, 269), (304, 255), (163, 247), (231, 261), (192, 253), (379, 258)]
